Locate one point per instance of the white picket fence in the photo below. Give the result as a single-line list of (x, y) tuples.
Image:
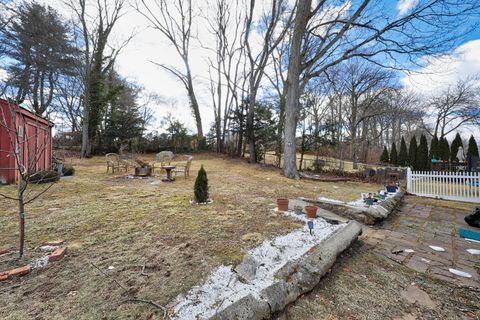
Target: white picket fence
[(461, 186)]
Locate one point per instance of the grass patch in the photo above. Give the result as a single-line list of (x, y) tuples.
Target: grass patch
[(110, 220)]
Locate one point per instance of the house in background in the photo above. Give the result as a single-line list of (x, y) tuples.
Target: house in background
[(34, 143)]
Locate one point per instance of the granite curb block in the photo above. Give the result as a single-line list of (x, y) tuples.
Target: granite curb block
[(295, 278), (367, 215)]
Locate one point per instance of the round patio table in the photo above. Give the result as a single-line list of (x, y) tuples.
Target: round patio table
[(169, 177)]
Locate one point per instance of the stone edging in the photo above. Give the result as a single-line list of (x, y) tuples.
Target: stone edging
[(295, 278), (367, 215)]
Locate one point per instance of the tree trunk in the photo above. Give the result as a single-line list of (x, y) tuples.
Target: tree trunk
[(86, 147), (240, 131), (302, 148), (281, 121), (194, 103), (21, 216), (250, 127), (293, 88)]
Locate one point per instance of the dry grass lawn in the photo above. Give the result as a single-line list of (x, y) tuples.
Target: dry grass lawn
[(109, 220)]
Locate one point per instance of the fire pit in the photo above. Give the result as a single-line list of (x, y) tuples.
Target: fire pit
[(143, 171)]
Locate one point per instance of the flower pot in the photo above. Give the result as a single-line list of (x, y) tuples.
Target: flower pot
[(282, 204), (298, 210), (369, 201), (392, 189), (311, 211)]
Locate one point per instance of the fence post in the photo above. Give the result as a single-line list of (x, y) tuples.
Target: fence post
[(409, 179)]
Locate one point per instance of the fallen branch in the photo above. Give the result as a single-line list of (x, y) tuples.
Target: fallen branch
[(131, 297), (143, 270)]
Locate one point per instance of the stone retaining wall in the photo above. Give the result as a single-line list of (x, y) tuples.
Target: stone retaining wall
[(367, 215), (293, 279)]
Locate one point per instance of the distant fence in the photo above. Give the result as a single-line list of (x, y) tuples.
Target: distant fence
[(461, 186), (313, 162)]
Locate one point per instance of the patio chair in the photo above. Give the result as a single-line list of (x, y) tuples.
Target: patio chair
[(162, 158), (183, 167), (114, 162)]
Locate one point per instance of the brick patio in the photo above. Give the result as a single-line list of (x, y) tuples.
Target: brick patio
[(416, 226)]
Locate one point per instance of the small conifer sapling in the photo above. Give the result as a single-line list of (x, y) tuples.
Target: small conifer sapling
[(200, 188)]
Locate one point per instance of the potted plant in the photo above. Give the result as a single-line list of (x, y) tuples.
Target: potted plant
[(282, 204), (298, 209), (311, 211), (382, 195), (392, 187), (368, 199)]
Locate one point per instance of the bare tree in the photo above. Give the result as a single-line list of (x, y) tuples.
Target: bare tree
[(29, 148), (364, 85), (279, 81), (455, 106), (226, 25), (276, 23), (98, 58), (174, 21), (68, 102), (328, 34), (145, 108)]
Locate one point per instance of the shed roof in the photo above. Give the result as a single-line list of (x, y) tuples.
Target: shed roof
[(27, 113)]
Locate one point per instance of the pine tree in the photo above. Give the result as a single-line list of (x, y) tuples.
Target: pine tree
[(393, 154), (456, 144), (422, 162), (384, 157), (472, 148), (412, 152), (434, 148), (201, 186), (403, 155), (444, 149)]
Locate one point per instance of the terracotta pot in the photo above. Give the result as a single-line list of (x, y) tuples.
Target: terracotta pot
[(311, 211), (282, 204)]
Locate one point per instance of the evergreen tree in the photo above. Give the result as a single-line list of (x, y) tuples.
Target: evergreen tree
[(393, 155), (444, 149), (472, 148), (403, 155), (456, 144), (38, 50), (384, 157), (434, 148), (412, 152), (422, 162), (123, 123), (200, 188)]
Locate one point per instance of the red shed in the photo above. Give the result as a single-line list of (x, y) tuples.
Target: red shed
[(35, 142)]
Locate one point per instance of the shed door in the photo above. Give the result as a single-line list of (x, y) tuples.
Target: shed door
[(30, 147)]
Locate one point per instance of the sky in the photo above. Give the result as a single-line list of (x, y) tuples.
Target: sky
[(149, 45), (135, 63)]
